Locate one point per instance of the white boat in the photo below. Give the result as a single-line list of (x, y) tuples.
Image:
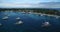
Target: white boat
[(46, 24), (57, 17), (29, 12), (23, 12), (6, 17), (0, 24), (18, 18), (41, 15), (19, 22)]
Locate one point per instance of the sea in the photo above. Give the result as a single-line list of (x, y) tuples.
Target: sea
[(31, 22)]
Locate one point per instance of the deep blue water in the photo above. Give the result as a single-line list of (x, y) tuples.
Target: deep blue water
[(31, 23)]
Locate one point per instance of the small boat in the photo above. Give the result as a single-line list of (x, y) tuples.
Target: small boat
[(18, 18), (41, 15), (24, 12), (6, 17), (19, 22), (57, 17), (1, 25), (29, 12), (46, 24)]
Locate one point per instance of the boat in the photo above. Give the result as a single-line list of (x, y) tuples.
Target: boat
[(19, 22), (18, 18), (46, 24), (4, 18), (1, 25)]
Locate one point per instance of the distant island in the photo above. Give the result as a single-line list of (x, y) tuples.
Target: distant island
[(36, 10)]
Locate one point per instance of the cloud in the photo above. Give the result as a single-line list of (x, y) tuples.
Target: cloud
[(20, 1), (16, 5), (29, 4), (41, 5)]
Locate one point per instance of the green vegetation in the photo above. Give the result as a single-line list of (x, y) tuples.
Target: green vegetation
[(37, 10)]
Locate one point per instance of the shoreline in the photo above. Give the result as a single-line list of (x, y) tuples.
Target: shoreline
[(36, 13), (46, 14)]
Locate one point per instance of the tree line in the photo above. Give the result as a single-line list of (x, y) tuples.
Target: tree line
[(37, 10)]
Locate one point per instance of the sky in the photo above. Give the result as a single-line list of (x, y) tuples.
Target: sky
[(29, 4)]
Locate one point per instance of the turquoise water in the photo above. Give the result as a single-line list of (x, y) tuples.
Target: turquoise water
[(31, 23)]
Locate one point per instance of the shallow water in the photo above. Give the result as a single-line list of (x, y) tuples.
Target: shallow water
[(31, 23)]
